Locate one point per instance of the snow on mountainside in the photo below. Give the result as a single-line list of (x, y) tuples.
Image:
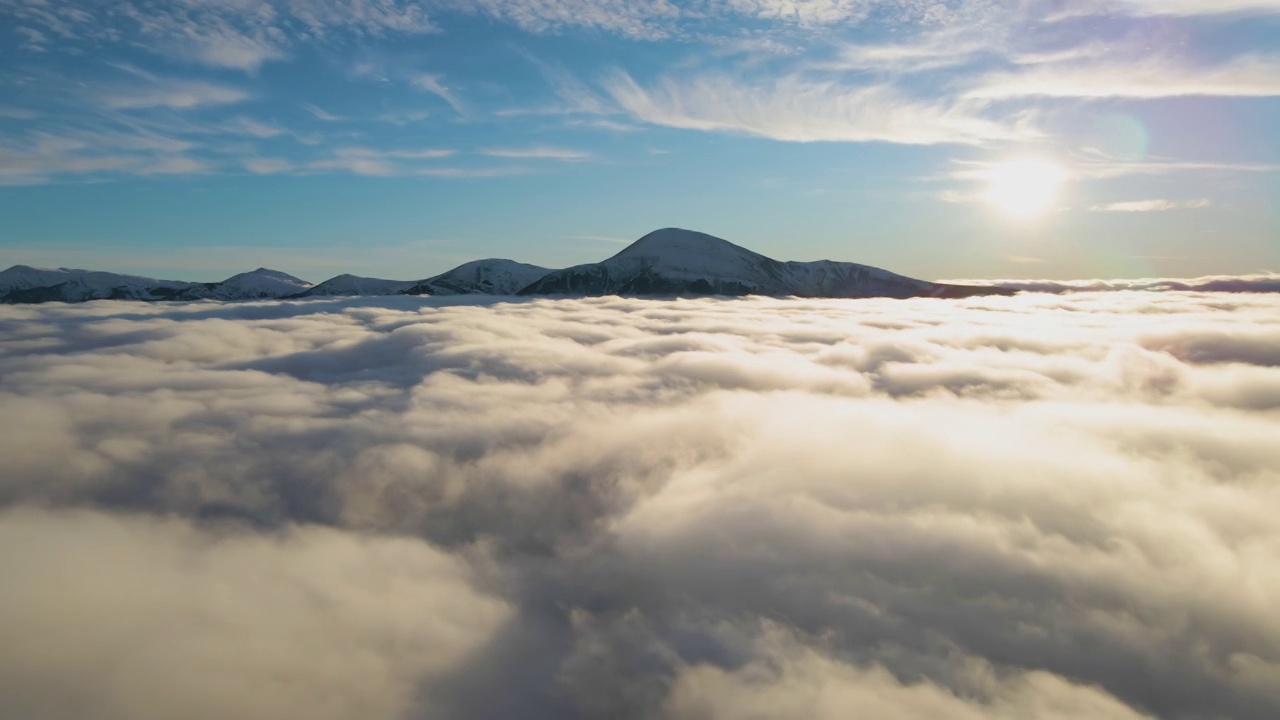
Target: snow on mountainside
[(22, 283), (487, 277), (349, 285), (664, 262), (674, 261), (258, 284)]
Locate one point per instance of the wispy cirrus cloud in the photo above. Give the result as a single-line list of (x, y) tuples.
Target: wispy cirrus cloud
[(932, 53), (403, 162), (802, 109), (225, 36), (172, 94), (234, 35), (1189, 8), (972, 72), (40, 157), (538, 153), (383, 163), (639, 19), (434, 84), (397, 153), (1250, 75)]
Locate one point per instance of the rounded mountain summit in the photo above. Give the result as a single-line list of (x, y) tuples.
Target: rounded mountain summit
[(673, 261)]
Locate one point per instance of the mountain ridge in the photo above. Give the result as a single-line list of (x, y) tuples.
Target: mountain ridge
[(673, 261), (669, 261)]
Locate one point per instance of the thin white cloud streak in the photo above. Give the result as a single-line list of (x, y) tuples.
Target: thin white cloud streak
[(401, 162), (903, 58), (321, 114), (253, 128), (1187, 8), (538, 153), (400, 154), (950, 46), (268, 166), (174, 94), (798, 109), (1146, 206), (1092, 168), (433, 85), (1029, 507), (1119, 168)]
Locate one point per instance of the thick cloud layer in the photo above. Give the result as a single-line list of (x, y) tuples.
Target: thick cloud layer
[(1038, 507), (1257, 283)]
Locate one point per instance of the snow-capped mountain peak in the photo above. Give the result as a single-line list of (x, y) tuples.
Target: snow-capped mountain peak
[(690, 254), (679, 262), (349, 285), (256, 284), (492, 276), (265, 277)]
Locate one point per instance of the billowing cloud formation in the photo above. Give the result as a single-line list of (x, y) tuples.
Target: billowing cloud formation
[(128, 617), (1032, 507)]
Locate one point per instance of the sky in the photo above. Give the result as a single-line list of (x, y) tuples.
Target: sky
[(193, 139)]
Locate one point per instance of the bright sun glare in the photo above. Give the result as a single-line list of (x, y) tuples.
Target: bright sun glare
[(1024, 188)]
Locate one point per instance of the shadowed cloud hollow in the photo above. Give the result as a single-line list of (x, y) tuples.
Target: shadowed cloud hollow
[(1034, 507)]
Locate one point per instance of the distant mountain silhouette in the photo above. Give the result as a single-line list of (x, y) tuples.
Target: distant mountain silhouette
[(663, 263)]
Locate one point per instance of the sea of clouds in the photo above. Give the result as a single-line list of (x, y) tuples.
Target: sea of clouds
[(1268, 282), (1032, 508)]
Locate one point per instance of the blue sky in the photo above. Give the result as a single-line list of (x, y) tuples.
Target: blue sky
[(193, 138)]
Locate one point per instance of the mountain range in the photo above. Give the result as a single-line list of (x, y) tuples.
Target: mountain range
[(665, 262)]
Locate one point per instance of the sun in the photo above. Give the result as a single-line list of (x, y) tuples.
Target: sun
[(1024, 188)]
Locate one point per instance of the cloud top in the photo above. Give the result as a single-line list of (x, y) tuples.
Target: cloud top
[(1042, 506)]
